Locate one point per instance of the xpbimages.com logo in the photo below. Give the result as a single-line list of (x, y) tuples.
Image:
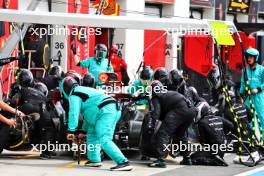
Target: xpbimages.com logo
[(64, 31), (196, 147), (83, 148), (148, 90)]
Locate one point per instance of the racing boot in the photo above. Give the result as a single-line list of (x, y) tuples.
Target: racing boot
[(159, 163), (122, 167), (219, 161), (186, 161), (92, 164)]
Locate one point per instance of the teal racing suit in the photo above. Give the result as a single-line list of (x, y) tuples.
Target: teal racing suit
[(256, 81), (136, 88), (95, 67), (100, 118)]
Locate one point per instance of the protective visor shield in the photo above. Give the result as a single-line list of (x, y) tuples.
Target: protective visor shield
[(213, 78), (252, 52), (101, 53), (177, 81), (88, 80), (66, 86), (176, 77), (146, 73)]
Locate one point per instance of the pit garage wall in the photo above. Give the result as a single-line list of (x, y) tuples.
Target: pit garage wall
[(3, 38), (61, 44), (83, 49), (134, 42), (154, 50), (161, 46), (160, 49), (154, 42), (130, 41), (181, 8), (5, 33), (23, 4)]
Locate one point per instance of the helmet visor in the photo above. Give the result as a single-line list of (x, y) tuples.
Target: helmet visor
[(101, 53)]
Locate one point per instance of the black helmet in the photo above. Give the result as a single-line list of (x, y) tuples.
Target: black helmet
[(88, 80), (176, 78), (25, 78), (67, 85), (213, 78), (161, 74), (56, 71), (42, 88), (74, 74), (146, 73)]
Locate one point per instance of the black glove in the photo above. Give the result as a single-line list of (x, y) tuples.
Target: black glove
[(140, 97), (151, 123)]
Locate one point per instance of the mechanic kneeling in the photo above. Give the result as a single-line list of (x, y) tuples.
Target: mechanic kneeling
[(212, 132), (176, 114), (32, 98)]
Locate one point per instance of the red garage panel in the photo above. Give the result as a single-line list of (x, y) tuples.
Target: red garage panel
[(84, 47), (5, 25), (235, 52), (252, 42), (154, 47), (4, 34), (91, 45), (103, 38), (13, 4), (198, 53)]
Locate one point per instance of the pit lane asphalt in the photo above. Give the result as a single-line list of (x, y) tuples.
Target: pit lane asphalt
[(29, 164)]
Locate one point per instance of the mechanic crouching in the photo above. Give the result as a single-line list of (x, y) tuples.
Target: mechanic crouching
[(101, 114), (176, 114), (31, 97)]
